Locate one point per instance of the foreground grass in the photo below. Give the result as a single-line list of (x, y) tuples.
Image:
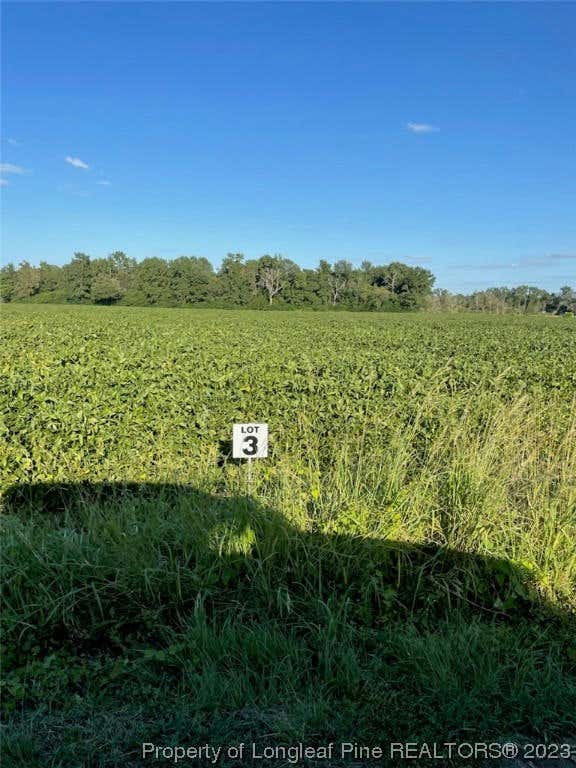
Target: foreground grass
[(403, 567)]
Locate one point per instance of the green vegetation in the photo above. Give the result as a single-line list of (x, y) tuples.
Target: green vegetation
[(255, 283), (271, 281), (402, 566)]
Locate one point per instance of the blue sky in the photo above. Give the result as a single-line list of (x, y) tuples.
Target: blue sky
[(436, 134)]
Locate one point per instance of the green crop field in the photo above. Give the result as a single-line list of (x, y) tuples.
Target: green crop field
[(402, 567)]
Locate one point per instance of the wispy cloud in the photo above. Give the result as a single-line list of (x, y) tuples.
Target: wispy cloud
[(103, 183), (77, 163), (421, 128), (547, 260), (4, 182), (14, 143), (10, 168)]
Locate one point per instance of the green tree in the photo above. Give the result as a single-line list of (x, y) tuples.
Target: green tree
[(236, 282), (339, 280), (566, 301), (27, 281), (374, 298), (78, 278), (7, 282), (303, 289), (50, 277), (410, 285), (274, 275), (106, 289), (324, 272), (441, 300), (124, 268), (152, 278), (191, 279)]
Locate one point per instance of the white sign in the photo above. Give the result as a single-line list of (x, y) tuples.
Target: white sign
[(250, 441)]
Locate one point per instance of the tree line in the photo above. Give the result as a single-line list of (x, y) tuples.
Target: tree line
[(523, 299), (239, 282), (257, 283)]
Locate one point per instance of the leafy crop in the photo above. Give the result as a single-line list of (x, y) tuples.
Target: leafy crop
[(144, 577)]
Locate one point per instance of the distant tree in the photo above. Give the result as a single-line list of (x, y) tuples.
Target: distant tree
[(274, 273), (27, 281), (134, 298), (152, 279), (441, 300), (523, 299), (381, 298), (191, 279), (7, 282), (495, 300), (366, 266), (78, 278), (339, 279), (236, 282), (271, 278), (411, 285), (106, 289), (303, 289), (118, 268), (123, 265), (103, 267), (257, 282), (367, 289), (566, 300), (324, 273), (374, 298), (50, 277)]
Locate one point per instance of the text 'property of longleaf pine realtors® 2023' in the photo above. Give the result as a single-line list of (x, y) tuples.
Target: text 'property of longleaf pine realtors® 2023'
[(295, 753)]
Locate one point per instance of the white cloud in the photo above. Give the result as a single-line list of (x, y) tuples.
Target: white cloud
[(103, 183), (4, 183), (10, 168), (77, 163), (421, 128), (548, 259)]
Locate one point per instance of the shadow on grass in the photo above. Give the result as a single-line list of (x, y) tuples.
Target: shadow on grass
[(265, 628), (216, 541)]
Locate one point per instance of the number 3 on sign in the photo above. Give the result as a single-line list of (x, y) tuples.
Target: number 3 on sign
[(250, 441)]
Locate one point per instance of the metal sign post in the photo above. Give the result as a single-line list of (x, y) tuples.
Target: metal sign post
[(250, 441)]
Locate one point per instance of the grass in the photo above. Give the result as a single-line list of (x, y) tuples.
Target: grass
[(402, 567)]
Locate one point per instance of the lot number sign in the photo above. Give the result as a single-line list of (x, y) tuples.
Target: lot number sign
[(249, 441)]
